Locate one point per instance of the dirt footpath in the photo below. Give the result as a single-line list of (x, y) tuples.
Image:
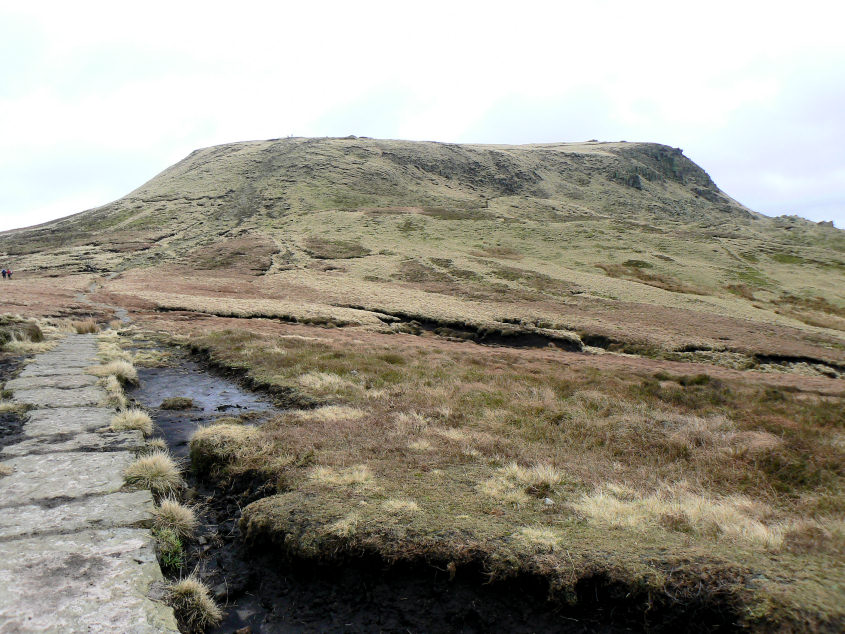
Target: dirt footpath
[(76, 553)]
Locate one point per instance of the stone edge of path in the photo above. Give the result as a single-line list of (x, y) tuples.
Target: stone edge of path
[(76, 552)]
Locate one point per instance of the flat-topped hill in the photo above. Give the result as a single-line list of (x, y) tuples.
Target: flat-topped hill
[(566, 236)]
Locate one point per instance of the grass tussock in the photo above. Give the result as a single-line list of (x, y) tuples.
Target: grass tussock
[(177, 403), (22, 346), (193, 604), (170, 548), (86, 327), (346, 527), (131, 419), (115, 396), (173, 515), (21, 336), (6, 470), (325, 383), (151, 358), (155, 444), (124, 371), (228, 448), (156, 471), (12, 407), (109, 347)]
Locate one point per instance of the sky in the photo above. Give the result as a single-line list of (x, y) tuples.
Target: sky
[(96, 98)]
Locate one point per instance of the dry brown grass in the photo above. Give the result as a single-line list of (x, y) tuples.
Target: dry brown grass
[(539, 538), (191, 600), (400, 506), (232, 448), (155, 445), (156, 471), (358, 475), (132, 419), (6, 470), (177, 402), (328, 414), (7, 407), (734, 518), (115, 397), (124, 371), (85, 327), (173, 515)]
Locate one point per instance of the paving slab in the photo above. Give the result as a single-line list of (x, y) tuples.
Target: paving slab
[(76, 554), (70, 360), (69, 352), (56, 397), (62, 475), (131, 440), (64, 381), (128, 509), (46, 369), (94, 581), (66, 420)]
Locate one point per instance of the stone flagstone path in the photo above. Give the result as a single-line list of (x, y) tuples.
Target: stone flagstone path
[(76, 553)]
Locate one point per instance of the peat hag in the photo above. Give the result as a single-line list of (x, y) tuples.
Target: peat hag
[(263, 590)]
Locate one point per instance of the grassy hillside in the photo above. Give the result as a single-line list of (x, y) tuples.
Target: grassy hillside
[(629, 245), (654, 425)]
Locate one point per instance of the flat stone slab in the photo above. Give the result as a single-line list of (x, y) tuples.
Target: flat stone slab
[(67, 361), (129, 509), (56, 397), (94, 581), (66, 420), (65, 382), (39, 369), (62, 475), (130, 440)]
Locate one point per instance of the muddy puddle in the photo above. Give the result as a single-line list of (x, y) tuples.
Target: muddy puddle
[(212, 396)]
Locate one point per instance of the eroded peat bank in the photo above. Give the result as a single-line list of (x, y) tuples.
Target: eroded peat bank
[(415, 483), (264, 590)]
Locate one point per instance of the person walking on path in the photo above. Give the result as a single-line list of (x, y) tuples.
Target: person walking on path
[(9, 273), (4, 274)]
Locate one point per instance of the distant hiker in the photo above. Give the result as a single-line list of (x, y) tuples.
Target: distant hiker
[(4, 274), (9, 273)]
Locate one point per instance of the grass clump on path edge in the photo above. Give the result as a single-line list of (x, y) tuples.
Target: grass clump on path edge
[(173, 515), (156, 471), (131, 419), (193, 604)]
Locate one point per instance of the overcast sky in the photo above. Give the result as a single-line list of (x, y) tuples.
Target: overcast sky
[(96, 98)]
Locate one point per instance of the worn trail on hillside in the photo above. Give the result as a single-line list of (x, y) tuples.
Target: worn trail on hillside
[(76, 553)]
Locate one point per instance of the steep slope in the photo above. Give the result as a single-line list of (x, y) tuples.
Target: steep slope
[(609, 239)]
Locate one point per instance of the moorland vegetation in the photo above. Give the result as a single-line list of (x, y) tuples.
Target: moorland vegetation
[(579, 363)]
